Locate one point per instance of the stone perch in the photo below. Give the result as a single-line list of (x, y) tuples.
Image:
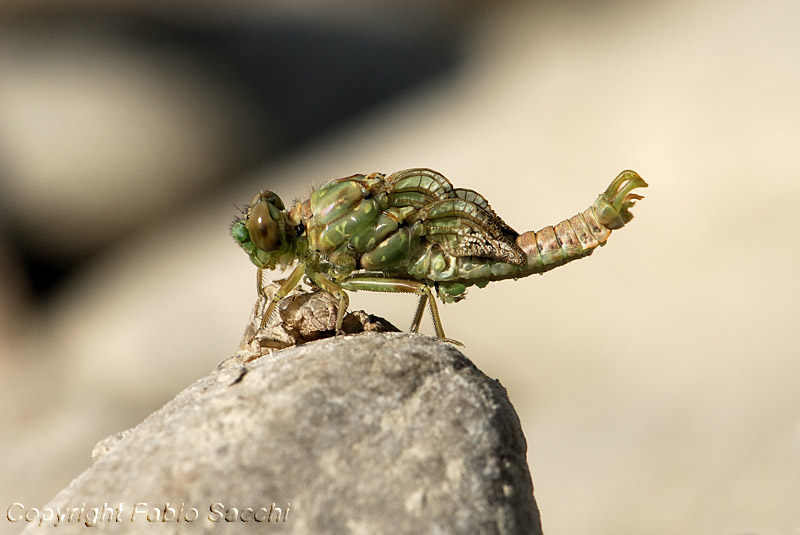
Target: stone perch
[(375, 433)]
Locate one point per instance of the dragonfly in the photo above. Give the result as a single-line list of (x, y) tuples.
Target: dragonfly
[(412, 232)]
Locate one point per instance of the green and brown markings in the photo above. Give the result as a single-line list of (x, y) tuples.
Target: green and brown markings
[(413, 232)]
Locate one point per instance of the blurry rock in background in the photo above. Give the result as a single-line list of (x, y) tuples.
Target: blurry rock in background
[(112, 119), (119, 121)]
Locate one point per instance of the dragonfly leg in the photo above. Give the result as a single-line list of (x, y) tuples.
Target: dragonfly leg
[(380, 284), (287, 286), (260, 282), (335, 290), (437, 321), (423, 299)]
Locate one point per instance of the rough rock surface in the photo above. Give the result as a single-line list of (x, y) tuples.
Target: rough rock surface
[(377, 433)]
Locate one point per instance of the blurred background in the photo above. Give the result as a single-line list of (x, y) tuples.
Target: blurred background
[(658, 382)]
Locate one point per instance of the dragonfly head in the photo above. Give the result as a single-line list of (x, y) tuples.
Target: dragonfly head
[(263, 232)]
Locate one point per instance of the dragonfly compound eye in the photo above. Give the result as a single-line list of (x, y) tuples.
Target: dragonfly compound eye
[(265, 232)]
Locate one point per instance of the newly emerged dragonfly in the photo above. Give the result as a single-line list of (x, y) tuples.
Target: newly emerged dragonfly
[(413, 232)]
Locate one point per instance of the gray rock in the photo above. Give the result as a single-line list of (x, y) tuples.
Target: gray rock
[(377, 433)]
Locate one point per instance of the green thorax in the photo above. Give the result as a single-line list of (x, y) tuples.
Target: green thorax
[(374, 224), (354, 224)]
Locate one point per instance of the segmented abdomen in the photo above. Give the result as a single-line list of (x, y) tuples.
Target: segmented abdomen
[(571, 239), (545, 249)]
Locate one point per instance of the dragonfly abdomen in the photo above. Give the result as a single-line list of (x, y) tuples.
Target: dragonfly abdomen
[(556, 245), (579, 235)]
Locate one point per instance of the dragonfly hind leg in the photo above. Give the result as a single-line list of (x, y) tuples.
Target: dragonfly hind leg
[(380, 284), (423, 300)]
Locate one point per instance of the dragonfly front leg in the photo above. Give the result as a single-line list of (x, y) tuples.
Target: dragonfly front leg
[(287, 286), (260, 282)]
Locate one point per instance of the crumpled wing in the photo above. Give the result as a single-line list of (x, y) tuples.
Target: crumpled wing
[(467, 226), (416, 188), (477, 199)]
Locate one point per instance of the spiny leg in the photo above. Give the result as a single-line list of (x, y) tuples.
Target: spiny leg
[(437, 321), (380, 284), (260, 282), (423, 299), (284, 290)]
